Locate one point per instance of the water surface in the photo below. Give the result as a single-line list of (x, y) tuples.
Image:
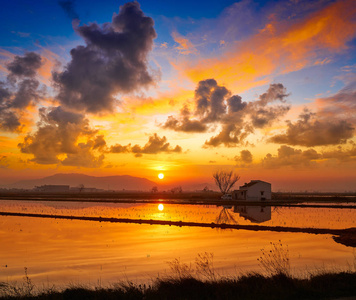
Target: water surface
[(62, 251)]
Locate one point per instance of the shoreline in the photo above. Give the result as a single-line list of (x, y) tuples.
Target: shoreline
[(278, 199)]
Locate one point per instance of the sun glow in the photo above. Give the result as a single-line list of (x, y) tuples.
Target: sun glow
[(160, 175), (160, 207)]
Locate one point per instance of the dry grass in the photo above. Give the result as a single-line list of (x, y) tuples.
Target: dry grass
[(275, 260)]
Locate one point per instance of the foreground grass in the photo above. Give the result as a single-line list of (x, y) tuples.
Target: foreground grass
[(252, 286)]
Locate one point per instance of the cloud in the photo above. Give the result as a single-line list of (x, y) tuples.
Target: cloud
[(286, 38), (114, 60), (184, 123), (84, 157), (213, 105), (185, 45), (69, 8), (154, 145), (310, 131), (340, 154), (21, 90), (25, 66), (341, 105), (120, 149), (296, 158), (244, 159), (57, 135), (4, 162), (288, 156)]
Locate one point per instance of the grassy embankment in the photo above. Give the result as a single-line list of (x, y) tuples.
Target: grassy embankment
[(202, 282)]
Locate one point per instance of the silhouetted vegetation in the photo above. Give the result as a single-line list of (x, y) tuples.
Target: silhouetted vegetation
[(225, 180), (251, 286), (201, 281)]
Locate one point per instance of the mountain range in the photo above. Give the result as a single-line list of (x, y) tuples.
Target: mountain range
[(74, 180)]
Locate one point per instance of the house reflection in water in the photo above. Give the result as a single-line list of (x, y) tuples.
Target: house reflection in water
[(255, 214)]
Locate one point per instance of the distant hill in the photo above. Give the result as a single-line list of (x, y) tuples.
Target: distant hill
[(108, 182)]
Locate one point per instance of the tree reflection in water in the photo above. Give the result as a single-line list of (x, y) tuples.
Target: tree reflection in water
[(225, 216)]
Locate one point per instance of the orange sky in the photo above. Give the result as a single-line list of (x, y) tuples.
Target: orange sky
[(274, 100)]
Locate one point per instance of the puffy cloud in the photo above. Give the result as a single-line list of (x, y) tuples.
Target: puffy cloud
[(244, 159), (288, 156), (113, 60), (99, 143), (4, 162), (340, 154), (184, 124), (310, 131), (27, 92), (214, 105), (84, 157), (21, 90), (25, 66), (296, 158), (120, 149), (58, 133), (154, 145)]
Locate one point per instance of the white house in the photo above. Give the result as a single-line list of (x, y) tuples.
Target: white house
[(255, 190)]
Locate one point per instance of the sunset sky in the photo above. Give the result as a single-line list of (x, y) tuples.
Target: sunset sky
[(183, 88)]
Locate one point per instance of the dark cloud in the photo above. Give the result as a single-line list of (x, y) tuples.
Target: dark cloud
[(288, 156), (263, 115), (25, 66), (84, 157), (340, 154), (27, 93), (184, 123), (99, 143), (120, 149), (214, 105), (154, 145), (235, 104), (20, 90), (276, 91), (245, 157), (9, 121), (296, 158), (114, 60), (209, 100), (229, 136), (310, 131), (266, 116), (57, 134), (4, 162), (69, 8)]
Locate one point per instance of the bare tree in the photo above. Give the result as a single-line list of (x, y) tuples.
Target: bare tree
[(81, 187), (225, 180), (225, 217)]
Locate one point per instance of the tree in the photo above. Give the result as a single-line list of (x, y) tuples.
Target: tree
[(177, 189), (154, 189), (81, 187), (225, 180)]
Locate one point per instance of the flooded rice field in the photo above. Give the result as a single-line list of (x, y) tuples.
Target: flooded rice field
[(62, 251)]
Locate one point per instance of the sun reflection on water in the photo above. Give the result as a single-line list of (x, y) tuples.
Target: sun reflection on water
[(160, 207)]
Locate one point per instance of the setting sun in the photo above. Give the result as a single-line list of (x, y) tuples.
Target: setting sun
[(160, 175)]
